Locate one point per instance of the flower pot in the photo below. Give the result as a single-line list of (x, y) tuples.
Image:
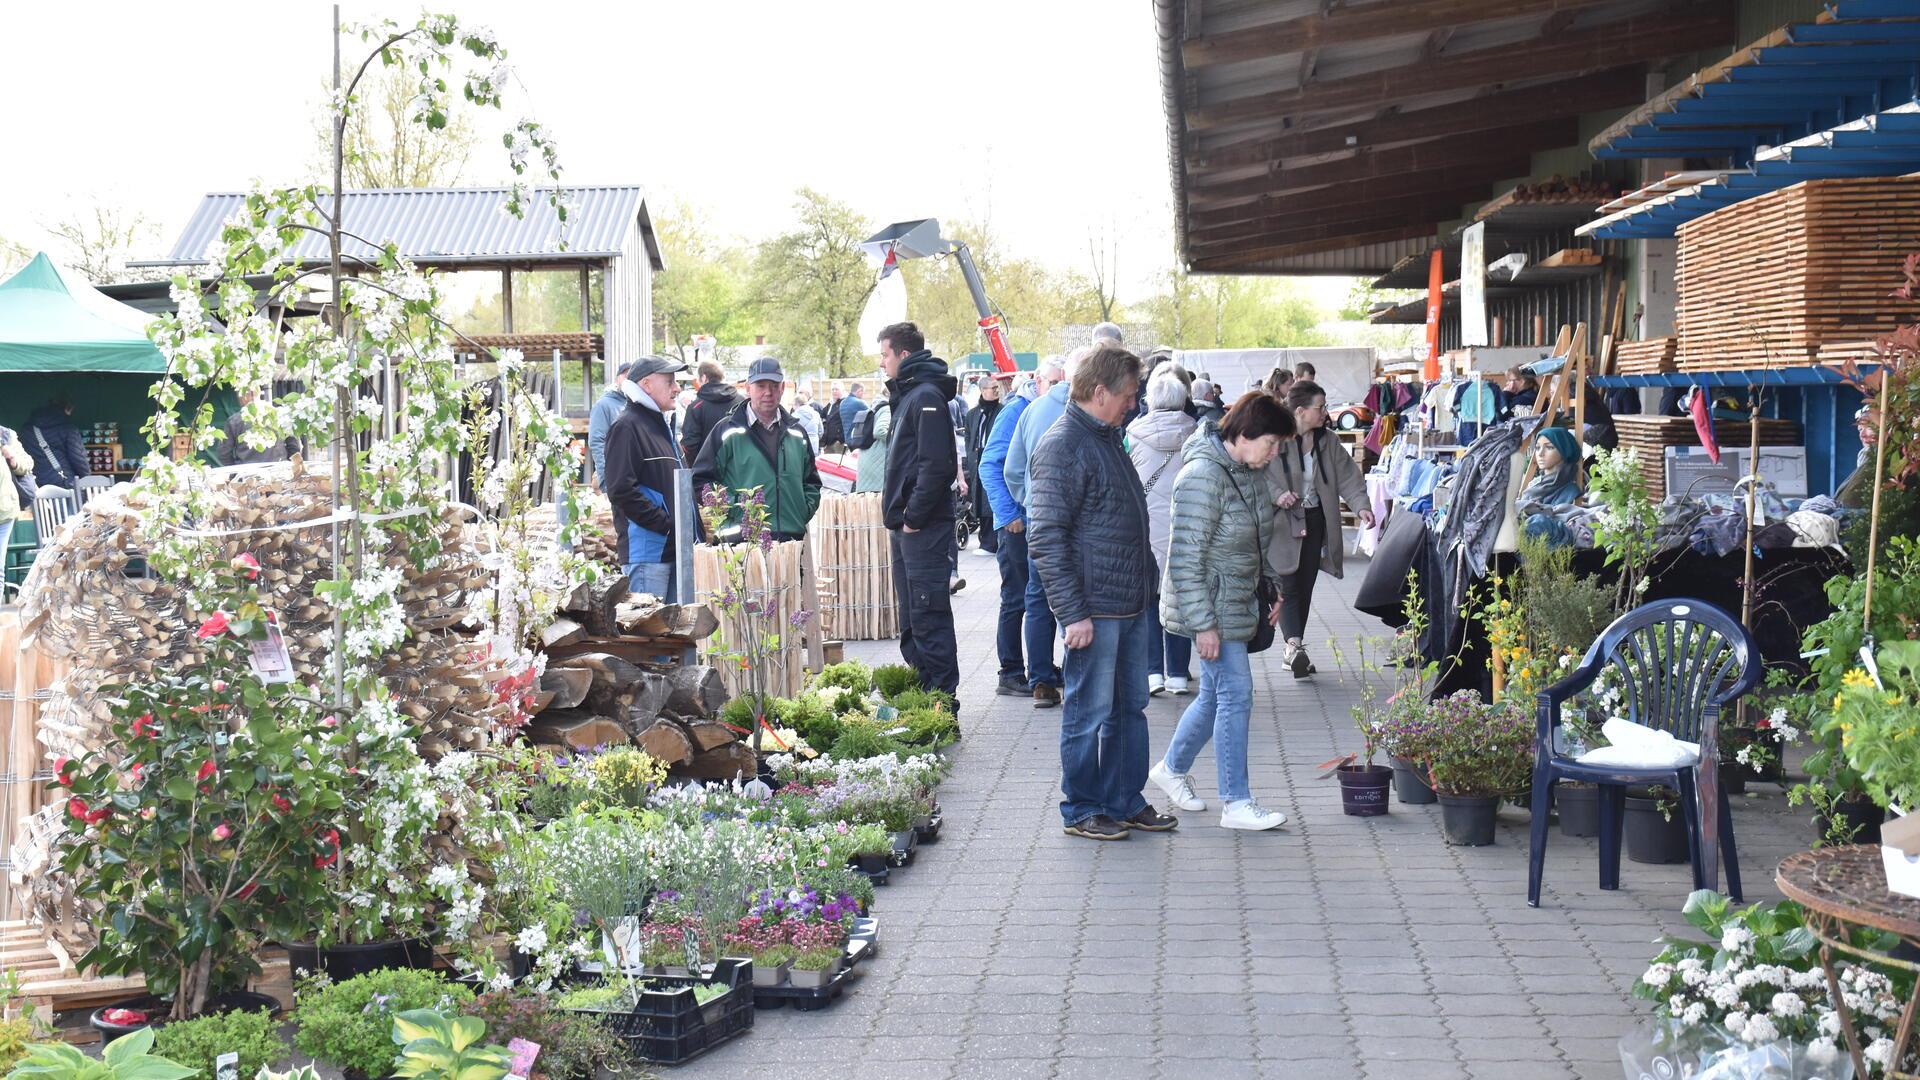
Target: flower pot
[(156, 1007), (1410, 783), (342, 962), (1579, 806), (771, 977), (873, 862), (1856, 810), (1363, 789), (1733, 777), (1467, 820), (813, 980), (1651, 837)]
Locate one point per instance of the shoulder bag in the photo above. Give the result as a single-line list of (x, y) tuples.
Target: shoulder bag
[(1266, 592)]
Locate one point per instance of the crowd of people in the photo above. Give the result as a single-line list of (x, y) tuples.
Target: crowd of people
[(1140, 526)]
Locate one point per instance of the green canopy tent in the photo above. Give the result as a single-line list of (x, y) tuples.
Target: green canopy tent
[(53, 320)]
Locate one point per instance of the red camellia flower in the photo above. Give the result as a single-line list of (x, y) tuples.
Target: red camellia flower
[(206, 769), (139, 772), (144, 726), (246, 892), (281, 804), (219, 686), (215, 625), (222, 831), (77, 808), (124, 1016), (246, 564), (331, 841), (60, 774)]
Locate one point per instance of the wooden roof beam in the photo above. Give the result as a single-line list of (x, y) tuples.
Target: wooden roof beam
[(1424, 205), (1342, 25), (1242, 261), (1479, 177), (1617, 88), (1646, 37), (1416, 158)]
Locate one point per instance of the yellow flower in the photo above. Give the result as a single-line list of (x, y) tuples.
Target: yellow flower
[(1856, 677)]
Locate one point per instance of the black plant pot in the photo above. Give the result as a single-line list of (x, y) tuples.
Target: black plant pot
[(1733, 777), (1579, 806), (1467, 820), (1856, 810), (342, 962), (1651, 837), (1410, 783), (1363, 789), (155, 1006)]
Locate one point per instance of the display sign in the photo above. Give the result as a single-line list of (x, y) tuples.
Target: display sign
[(1473, 284)]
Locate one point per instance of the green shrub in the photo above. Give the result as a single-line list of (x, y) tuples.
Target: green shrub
[(571, 1045), (916, 698), (894, 680), (15, 1036), (861, 740), (350, 1024), (550, 802), (851, 675), (813, 721), (930, 727), (590, 997), (196, 1043)]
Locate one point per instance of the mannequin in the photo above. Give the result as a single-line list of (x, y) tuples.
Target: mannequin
[(1556, 483)]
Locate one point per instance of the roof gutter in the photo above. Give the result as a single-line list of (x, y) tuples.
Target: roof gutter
[(1169, 18)]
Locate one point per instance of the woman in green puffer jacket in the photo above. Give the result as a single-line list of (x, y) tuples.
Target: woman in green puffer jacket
[(1222, 522)]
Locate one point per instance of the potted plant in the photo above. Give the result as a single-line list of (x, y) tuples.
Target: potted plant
[(1873, 718), (815, 968), (708, 996), (1483, 756), (1394, 683), (350, 1023), (772, 965), (572, 1046), (129, 1057), (1405, 732), (436, 1046)]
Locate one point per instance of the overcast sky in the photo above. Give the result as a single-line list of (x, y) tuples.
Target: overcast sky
[(1042, 115)]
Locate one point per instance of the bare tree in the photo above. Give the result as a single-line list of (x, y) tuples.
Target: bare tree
[(385, 148), (1104, 253), (98, 247)]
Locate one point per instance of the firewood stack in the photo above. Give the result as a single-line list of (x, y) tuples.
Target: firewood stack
[(1560, 189), (612, 678), (596, 539), (87, 601)]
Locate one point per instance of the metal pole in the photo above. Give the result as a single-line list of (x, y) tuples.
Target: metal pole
[(559, 499), (686, 533)]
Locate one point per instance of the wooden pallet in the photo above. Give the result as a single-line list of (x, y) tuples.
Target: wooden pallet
[(1651, 435), (1645, 357), (1774, 280)]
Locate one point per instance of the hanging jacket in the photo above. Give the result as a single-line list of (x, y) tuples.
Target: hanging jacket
[(642, 456), (993, 464), (59, 455), (734, 459), (921, 462), (1217, 545), (1154, 443), (710, 406), (1336, 478), (1087, 522)]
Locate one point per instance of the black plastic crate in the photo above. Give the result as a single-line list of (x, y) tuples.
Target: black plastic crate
[(667, 1026)]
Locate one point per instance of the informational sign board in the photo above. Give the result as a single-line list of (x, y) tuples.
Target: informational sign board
[(1691, 472), (1473, 284)]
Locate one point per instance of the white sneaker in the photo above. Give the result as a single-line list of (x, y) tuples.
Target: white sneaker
[(1156, 685), (1178, 787), (1247, 814), (1177, 685)]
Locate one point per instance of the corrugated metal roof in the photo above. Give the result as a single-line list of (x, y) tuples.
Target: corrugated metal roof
[(453, 225)]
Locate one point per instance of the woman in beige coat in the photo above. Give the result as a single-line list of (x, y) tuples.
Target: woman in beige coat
[(1310, 476)]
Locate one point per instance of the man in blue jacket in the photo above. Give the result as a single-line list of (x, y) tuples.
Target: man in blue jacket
[(1041, 628), (605, 412), (1016, 679)]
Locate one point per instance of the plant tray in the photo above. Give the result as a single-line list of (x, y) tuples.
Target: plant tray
[(878, 877), (667, 1026), (930, 833), (903, 847), (866, 932)]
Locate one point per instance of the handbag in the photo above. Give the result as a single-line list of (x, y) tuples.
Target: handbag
[(1266, 592)]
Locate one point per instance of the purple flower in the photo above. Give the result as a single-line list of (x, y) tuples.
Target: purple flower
[(800, 618)]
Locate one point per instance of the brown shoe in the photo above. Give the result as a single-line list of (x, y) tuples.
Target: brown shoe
[(1045, 696), (1151, 820)]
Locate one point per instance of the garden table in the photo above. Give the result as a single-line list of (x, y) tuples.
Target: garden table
[(1845, 887)]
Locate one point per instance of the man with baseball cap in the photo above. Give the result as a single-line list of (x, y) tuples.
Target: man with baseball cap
[(759, 445), (642, 454)]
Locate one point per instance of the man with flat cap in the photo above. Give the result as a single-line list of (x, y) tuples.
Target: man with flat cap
[(643, 453), (760, 445)]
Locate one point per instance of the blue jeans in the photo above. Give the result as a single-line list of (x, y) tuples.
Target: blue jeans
[(1103, 723), (1012, 557), (1041, 631), (655, 578), (1168, 655), (1220, 713)]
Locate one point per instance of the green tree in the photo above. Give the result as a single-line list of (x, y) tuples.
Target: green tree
[(1231, 312), (707, 287), (1034, 299), (814, 282), (13, 256), (99, 246)]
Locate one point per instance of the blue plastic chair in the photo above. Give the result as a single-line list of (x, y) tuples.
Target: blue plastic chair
[(1681, 662)]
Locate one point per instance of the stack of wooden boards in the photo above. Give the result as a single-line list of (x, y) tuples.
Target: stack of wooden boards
[(1649, 437), (774, 585), (855, 561), (1645, 357), (1775, 280)]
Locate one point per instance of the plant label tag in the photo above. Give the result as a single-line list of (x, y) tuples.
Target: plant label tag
[(268, 656), (523, 1054), (227, 1067)]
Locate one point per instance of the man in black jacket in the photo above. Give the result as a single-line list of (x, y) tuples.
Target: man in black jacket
[(917, 503), (1087, 531), (716, 399), (642, 456), (59, 454), (979, 427)]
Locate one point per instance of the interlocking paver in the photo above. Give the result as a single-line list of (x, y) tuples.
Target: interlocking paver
[(1336, 946)]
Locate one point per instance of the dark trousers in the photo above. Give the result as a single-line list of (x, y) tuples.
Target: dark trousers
[(1296, 589), (1041, 631), (920, 564), (983, 509), (1012, 556)]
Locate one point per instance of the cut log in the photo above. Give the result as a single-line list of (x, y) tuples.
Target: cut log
[(729, 762), (708, 735), (691, 621), (562, 632), (667, 740), (603, 601), (608, 670), (697, 690), (574, 728), (568, 686)]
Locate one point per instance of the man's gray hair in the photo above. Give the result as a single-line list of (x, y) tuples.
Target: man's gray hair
[(1053, 367), (1165, 391), (1202, 390), (1073, 360), (1106, 331)]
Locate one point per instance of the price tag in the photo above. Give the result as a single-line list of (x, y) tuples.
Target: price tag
[(268, 656), (523, 1054), (226, 1067)]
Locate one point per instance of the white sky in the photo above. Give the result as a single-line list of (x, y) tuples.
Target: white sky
[(1043, 115)]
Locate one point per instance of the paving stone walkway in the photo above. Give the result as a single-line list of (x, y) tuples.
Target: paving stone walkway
[(1333, 947)]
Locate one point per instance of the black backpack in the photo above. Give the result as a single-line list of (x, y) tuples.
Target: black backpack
[(861, 437), (830, 425)]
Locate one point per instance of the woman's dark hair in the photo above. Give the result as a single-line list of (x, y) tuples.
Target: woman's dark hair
[(1256, 414), (1302, 392)]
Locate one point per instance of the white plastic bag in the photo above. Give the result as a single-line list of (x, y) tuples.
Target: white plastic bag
[(1637, 746), (1668, 1050)]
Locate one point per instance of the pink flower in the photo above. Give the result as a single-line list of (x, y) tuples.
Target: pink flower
[(246, 564), (219, 686), (213, 627), (222, 831), (144, 726)]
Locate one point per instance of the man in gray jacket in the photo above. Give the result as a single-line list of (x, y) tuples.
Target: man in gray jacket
[(1087, 526)]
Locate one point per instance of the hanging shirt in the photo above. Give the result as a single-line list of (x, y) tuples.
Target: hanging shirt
[(1479, 402)]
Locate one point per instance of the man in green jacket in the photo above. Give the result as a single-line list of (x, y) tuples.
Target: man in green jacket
[(759, 445)]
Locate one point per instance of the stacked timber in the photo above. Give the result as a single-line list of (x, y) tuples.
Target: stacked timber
[(1649, 437), (851, 548), (595, 538), (1650, 357), (774, 590), (1776, 280), (1553, 189)]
